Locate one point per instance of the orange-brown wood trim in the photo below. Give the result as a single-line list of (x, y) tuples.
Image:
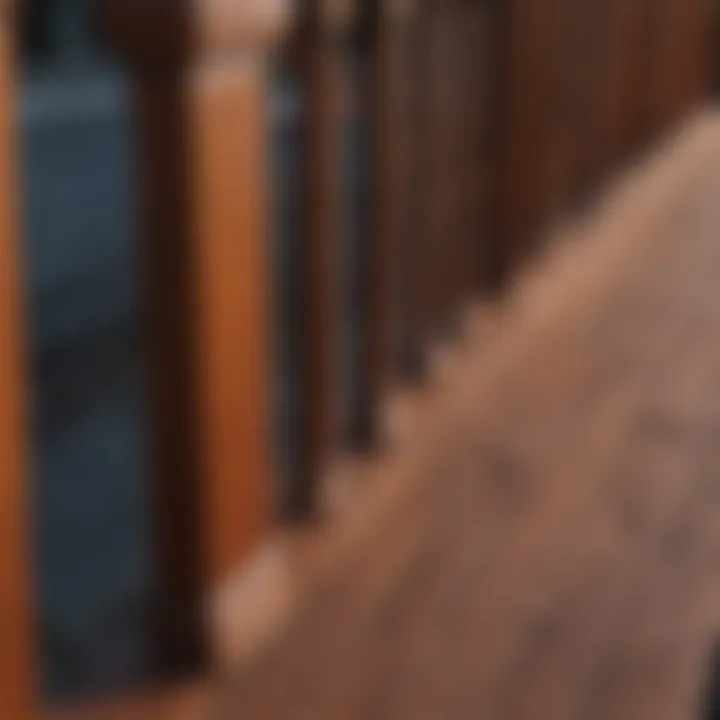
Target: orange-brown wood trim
[(16, 655), (229, 157)]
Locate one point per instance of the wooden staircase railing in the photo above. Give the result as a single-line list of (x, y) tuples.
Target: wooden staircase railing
[(481, 129)]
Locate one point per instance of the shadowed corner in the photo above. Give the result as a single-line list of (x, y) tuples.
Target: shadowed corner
[(710, 707)]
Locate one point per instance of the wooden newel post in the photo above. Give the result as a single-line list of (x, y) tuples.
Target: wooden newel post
[(200, 133), (16, 657)]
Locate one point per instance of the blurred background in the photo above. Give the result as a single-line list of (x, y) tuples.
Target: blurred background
[(413, 159)]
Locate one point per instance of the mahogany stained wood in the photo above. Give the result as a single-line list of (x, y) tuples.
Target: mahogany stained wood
[(591, 98), (395, 124), (441, 87), (478, 76), (690, 67), (423, 290), (456, 144), (572, 80), (376, 278), (414, 252), (444, 256), (528, 48), (316, 53), (16, 654), (499, 253)]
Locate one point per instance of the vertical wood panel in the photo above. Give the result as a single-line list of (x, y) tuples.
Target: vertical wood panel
[(428, 272), (202, 163), (401, 142), (611, 76), (659, 92), (16, 656), (416, 251), (377, 271), (693, 53), (166, 256), (438, 194), (479, 80), (443, 85), (316, 53), (522, 207), (458, 144), (592, 109), (395, 152), (499, 255), (563, 78), (229, 152)]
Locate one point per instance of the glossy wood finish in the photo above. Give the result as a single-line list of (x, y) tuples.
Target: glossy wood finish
[(200, 129), (16, 654)]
